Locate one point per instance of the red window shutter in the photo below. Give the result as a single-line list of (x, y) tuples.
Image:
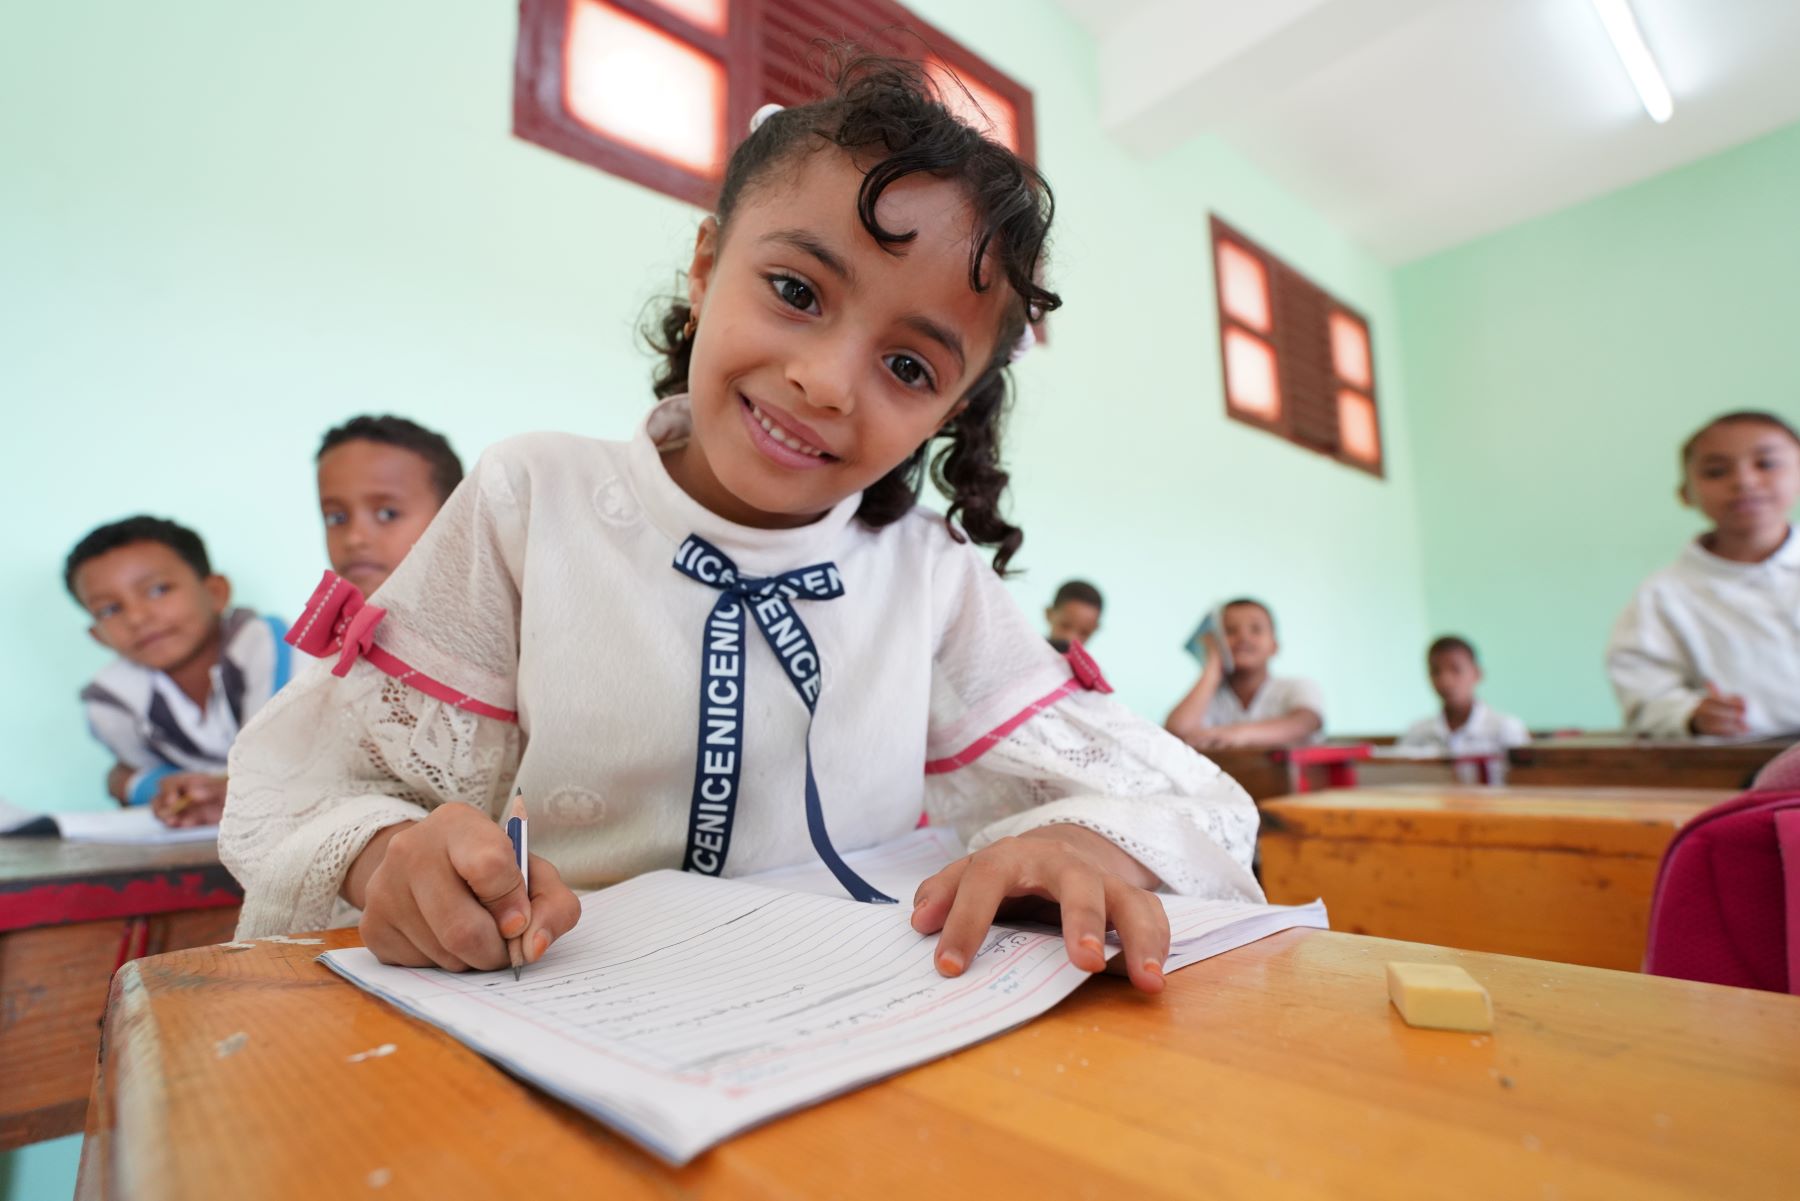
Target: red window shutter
[(541, 112), (1322, 351), (1303, 351), (783, 36), (780, 44), (768, 49)]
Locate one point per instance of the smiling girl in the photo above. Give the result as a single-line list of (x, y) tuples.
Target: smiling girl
[(736, 642)]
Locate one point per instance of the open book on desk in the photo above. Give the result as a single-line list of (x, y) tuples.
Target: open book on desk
[(683, 1009), (136, 826)]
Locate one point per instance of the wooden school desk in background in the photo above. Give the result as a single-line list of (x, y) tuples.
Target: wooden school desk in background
[(1266, 772), (70, 914), (1552, 873), (1612, 760), (1253, 768), (1388, 766), (1275, 1071), (1605, 760)]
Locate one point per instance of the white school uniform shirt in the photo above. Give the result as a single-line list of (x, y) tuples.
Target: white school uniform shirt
[(1278, 697), (540, 632), (1706, 620), (151, 726), (1487, 732)]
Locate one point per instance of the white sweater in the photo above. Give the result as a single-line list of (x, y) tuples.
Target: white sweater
[(1706, 620), (1487, 732), (1278, 697), (151, 726), (545, 588)]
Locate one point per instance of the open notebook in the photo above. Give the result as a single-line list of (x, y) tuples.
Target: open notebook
[(684, 1009), (137, 826)]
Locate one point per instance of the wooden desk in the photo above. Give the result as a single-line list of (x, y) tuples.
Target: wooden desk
[(70, 914), (1255, 769), (1386, 771), (1552, 873), (1270, 772), (1598, 762), (1276, 1071), (1266, 772)]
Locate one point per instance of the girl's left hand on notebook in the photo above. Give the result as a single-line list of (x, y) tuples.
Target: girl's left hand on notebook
[(1054, 873)]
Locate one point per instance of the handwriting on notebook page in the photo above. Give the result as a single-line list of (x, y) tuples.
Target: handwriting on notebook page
[(684, 1008)]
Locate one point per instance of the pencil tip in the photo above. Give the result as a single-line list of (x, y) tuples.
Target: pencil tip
[(515, 971)]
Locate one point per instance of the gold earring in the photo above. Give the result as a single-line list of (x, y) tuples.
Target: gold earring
[(693, 323)]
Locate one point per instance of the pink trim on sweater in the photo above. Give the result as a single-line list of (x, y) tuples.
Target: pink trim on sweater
[(987, 741), (1086, 676), (338, 620), (388, 664)]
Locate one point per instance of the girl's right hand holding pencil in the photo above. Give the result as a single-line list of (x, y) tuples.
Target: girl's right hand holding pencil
[(446, 892)]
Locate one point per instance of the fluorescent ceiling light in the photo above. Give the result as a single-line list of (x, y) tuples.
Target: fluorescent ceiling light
[(1628, 40)]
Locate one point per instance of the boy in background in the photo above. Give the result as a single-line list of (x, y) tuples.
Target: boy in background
[(191, 670), (381, 481), (1247, 706), (1074, 615), (1464, 726)]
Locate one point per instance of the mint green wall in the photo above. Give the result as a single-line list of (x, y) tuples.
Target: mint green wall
[(224, 227), (1555, 369)]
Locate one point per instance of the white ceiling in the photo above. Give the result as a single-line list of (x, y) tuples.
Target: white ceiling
[(1418, 124)]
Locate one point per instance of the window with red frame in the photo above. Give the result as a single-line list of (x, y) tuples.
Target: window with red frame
[(1297, 361), (660, 91)]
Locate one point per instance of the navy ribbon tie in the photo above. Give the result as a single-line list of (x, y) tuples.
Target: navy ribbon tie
[(719, 749)]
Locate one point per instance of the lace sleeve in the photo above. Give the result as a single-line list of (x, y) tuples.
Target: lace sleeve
[(329, 762), (1091, 762)]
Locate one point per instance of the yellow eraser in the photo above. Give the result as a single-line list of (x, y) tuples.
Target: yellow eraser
[(1439, 996)]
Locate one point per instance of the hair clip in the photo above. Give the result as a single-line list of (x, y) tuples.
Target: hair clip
[(763, 114)]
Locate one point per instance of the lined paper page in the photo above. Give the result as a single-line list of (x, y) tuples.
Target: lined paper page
[(1195, 926), (1201, 929), (683, 1009)]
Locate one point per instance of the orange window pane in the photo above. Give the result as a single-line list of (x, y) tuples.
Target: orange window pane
[(1243, 286), (978, 105), (1350, 349), (1251, 385), (707, 14), (1357, 432), (632, 82)]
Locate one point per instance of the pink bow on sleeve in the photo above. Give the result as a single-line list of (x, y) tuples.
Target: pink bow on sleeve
[(1087, 672), (336, 619)]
